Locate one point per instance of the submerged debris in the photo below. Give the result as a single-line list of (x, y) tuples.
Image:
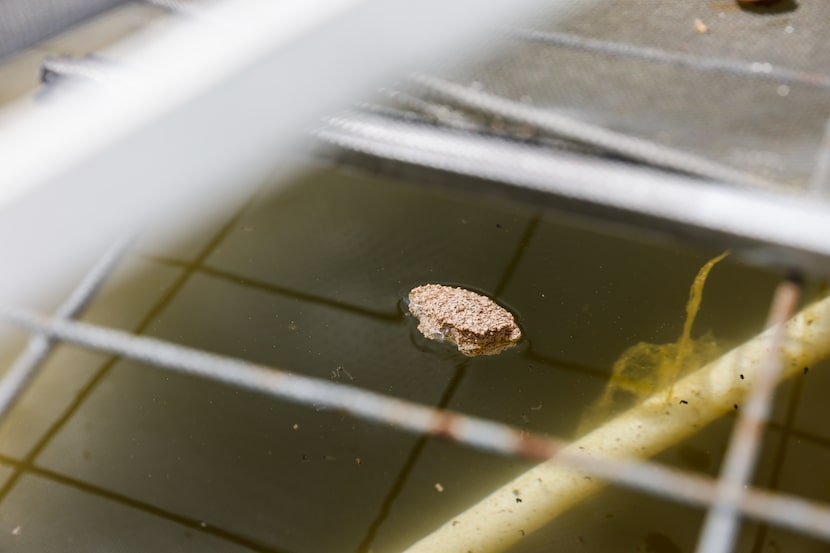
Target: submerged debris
[(475, 323), (643, 369)]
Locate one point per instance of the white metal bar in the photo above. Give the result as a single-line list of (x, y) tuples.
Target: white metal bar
[(25, 367), (730, 217), (216, 101), (721, 524), (480, 433), (558, 124)]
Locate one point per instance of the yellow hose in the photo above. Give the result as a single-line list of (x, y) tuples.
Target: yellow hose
[(548, 490)]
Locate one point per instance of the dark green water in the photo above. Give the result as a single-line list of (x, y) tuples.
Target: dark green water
[(309, 277)]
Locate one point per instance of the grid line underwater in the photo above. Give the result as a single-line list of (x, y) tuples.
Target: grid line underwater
[(259, 384)]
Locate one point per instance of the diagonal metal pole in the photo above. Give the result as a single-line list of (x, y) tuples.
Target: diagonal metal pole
[(721, 524), (792, 512), (40, 344)]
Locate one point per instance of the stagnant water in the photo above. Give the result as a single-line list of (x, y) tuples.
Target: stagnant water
[(108, 454)]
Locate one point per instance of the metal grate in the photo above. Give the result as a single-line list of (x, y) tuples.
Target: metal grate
[(441, 116), (503, 439)]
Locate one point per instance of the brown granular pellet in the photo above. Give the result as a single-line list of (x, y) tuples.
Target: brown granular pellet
[(475, 323)]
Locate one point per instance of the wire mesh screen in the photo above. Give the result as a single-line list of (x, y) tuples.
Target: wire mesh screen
[(264, 387)]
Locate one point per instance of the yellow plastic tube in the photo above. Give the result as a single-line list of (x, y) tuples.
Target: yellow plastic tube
[(548, 490)]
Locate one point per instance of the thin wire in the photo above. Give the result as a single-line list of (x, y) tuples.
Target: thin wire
[(39, 346), (630, 147), (721, 524), (758, 70), (793, 512)]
